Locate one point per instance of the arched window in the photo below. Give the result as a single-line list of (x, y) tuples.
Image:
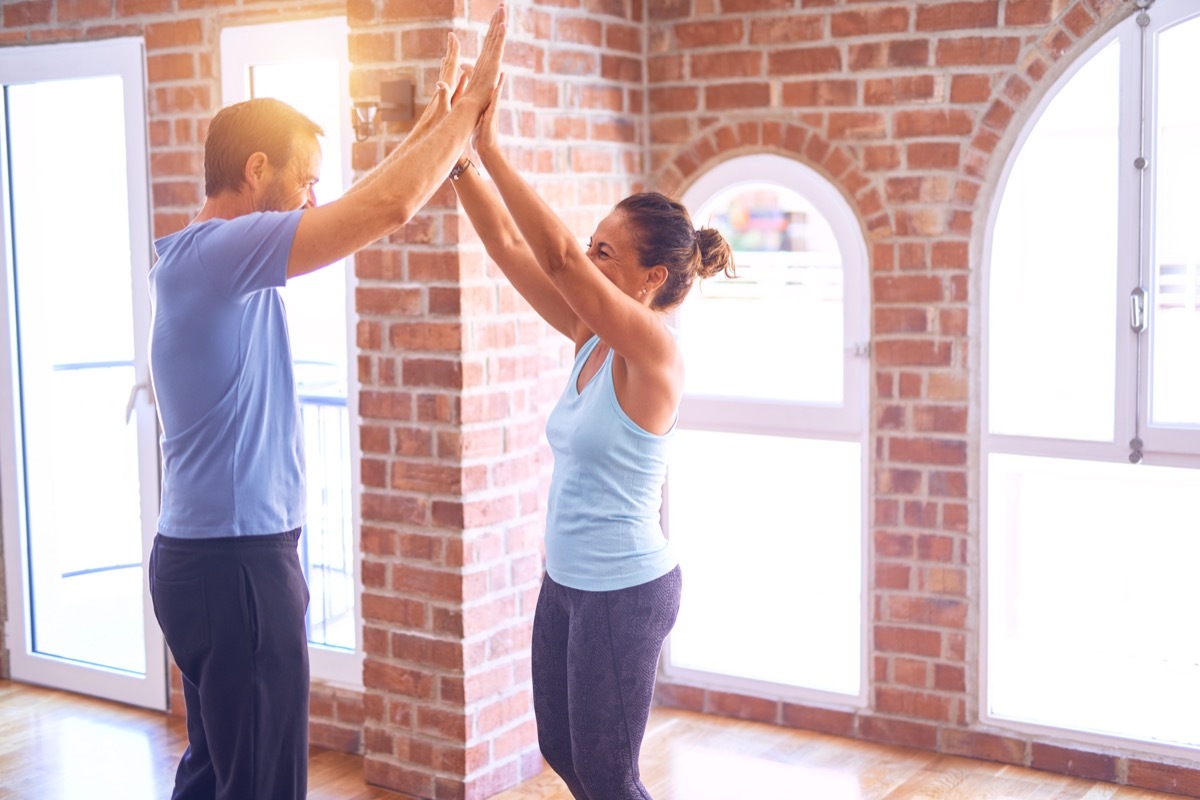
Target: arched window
[(765, 487), (1092, 399)]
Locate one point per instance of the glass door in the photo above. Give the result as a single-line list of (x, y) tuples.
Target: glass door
[(80, 469)]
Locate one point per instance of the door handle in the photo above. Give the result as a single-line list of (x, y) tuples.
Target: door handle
[(132, 401), (1137, 310)]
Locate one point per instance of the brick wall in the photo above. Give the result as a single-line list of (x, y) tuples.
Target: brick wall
[(908, 107)]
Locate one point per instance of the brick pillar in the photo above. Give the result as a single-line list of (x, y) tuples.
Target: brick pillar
[(457, 375), (451, 529)]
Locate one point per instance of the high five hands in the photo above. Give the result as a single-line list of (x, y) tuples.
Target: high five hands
[(475, 86)]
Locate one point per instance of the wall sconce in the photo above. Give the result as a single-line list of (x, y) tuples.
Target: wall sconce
[(395, 104)]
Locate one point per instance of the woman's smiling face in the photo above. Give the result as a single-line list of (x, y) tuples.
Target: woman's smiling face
[(614, 253)]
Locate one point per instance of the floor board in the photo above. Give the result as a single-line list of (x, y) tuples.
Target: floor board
[(61, 746)]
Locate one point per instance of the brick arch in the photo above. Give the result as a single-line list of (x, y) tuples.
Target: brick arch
[(837, 164), (1037, 67)]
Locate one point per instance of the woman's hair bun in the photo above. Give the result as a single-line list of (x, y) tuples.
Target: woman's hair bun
[(715, 254)]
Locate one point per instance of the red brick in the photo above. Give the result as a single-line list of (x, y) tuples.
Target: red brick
[(723, 96), (983, 745), (911, 672), (908, 53), (20, 15), (170, 67), (78, 10), (742, 707), (822, 720), (787, 30), (1031, 12), (940, 419), (674, 98), (947, 484), (890, 576), (674, 695), (970, 88), (978, 51), (928, 451), (368, 46), (890, 19), (857, 125), (1078, 21), (933, 155), (1160, 777), (949, 678), (722, 32), (397, 10), (932, 122), (913, 704), (803, 61), (727, 64), (919, 514), (579, 30), (944, 16), (1071, 761), (912, 352), (393, 508), (900, 732), (941, 612), (908, 289), (893, 545)]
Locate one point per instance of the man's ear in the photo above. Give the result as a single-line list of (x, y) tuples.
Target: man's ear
[(256, 169)]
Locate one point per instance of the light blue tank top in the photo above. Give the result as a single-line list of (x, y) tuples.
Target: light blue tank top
[(602, 520)]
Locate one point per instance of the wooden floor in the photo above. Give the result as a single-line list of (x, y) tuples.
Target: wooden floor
[(55, 746)]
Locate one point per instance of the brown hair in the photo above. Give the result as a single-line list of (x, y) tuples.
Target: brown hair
[(262, 125), (663, 235)]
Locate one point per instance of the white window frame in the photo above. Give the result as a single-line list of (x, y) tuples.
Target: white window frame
[(1174, 447), (277, 42), (793, 419)]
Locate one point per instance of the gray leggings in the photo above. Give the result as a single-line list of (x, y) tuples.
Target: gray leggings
[(595, 656)]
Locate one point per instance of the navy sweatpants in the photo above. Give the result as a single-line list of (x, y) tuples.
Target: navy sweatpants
[(232, 612), (595, 657)]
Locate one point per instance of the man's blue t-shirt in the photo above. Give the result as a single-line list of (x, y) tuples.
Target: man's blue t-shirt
[(221, 363)]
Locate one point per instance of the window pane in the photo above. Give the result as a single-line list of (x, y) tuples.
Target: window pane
[(776, 331), (1053, 269), (316, 306), (1092, 597), (769, 534), (1175, 327)]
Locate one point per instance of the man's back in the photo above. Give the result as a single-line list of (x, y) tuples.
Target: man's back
[(219, 355)]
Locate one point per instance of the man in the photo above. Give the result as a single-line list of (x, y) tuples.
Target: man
[(225, 578)]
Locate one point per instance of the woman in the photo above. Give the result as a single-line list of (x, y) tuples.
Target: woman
[(612, 585)]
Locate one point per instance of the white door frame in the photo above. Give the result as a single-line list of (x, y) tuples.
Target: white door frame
[(124, 57)]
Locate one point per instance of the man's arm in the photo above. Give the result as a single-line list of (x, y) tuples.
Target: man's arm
[(405, 181)]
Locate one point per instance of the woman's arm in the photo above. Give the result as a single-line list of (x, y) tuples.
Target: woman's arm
[(508, 249), (630, 328)]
